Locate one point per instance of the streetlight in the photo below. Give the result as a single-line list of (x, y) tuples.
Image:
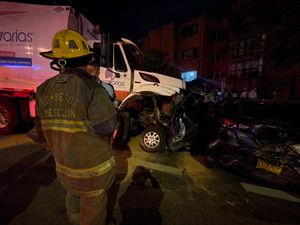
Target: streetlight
[(261, 59)]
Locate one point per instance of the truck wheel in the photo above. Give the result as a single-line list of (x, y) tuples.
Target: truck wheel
[(121, 135), (153, 139), (9, 118)]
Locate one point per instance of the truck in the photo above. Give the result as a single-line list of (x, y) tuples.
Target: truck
[(144, 95), (27, 30)]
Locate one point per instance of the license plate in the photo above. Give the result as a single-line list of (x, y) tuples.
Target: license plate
[(269, 167)]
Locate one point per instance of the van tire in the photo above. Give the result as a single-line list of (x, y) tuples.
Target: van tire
[(9, 118), (153, 139)]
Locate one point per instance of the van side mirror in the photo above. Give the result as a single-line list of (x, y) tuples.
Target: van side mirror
[(97, 48), (104, 45)]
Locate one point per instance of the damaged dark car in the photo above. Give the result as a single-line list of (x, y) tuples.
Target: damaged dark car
[(167, 122), (259, 139)]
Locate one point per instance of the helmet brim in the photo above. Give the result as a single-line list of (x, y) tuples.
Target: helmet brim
[(49, 55)]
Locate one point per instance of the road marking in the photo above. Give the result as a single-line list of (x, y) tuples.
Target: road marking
[(269, 192), (155, 166)]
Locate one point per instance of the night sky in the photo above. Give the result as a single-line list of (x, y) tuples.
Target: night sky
[(133, 18)]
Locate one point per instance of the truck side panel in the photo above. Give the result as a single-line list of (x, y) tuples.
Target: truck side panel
[(27, 30)]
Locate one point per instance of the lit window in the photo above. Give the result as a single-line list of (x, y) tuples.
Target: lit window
[(189, 54), (190, 30)]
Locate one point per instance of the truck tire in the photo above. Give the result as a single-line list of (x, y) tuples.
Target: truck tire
[(9, 119), (121, 136), (153, 139)]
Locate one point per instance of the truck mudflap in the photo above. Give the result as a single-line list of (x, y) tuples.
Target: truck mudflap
[(32, 108)]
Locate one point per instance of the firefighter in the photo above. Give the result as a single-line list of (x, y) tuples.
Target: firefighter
[(75, 116)]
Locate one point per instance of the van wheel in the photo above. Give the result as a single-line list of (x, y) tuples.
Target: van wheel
[(153, 139), (9, 119), (121, 135)]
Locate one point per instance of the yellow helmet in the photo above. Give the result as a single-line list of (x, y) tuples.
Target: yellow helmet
[(67, 44)]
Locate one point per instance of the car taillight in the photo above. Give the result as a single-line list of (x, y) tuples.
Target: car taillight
[(228, 123)]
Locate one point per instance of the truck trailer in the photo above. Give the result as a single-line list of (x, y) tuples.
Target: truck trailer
[(25, 31)]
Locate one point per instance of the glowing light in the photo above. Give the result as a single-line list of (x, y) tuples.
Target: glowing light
[(36, 67), (189, 75), (29, 48), (42, 50)]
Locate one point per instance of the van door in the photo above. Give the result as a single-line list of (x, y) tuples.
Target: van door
[(119, 74)]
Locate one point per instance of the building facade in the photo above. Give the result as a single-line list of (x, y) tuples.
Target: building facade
[(199, 44), (233, 62)]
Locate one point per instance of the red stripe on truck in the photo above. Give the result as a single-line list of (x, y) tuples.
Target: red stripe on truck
[(4, 13), (7, 54), (18, 90), (121, 95), (9, 89)]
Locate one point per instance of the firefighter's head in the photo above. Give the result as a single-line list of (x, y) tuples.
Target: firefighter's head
[(93, 67), (69, 49)]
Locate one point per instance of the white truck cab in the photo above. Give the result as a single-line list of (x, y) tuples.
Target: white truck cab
[(122, 71)]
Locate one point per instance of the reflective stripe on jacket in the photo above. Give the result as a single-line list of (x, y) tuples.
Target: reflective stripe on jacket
[(69, 126), (87, 173), (87, 193)]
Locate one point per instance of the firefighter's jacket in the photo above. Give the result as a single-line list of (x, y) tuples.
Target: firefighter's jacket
[(74, 110)]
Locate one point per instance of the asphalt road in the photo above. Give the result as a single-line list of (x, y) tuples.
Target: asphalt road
[(166, 189)]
